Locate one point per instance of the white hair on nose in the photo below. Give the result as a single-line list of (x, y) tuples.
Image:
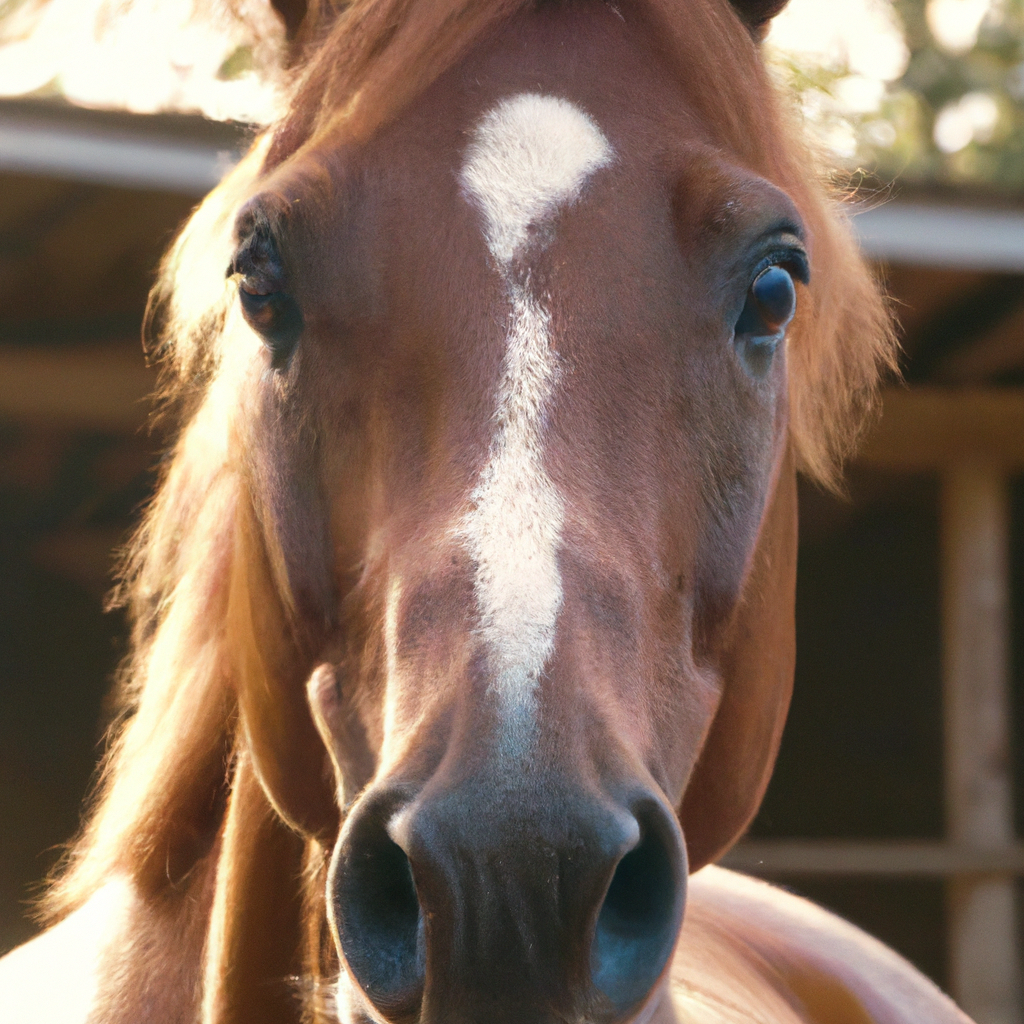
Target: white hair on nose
[(529, 156)]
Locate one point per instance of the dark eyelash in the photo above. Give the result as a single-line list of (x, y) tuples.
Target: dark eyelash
[(792, 258)]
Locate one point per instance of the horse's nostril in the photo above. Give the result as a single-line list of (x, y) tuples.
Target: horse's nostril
[(377, 915), (431, 902), (642, 910)]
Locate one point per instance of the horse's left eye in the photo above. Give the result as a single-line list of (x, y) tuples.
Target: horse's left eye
[(770, 305)]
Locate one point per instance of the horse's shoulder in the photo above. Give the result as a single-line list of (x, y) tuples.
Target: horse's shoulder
[(53, 978), (777, 958)]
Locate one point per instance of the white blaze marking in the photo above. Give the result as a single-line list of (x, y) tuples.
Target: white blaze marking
[(529, 156)]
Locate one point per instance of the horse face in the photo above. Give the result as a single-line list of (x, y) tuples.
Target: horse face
[(537, 328)]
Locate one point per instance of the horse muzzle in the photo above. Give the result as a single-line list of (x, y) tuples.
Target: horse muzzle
[(507, 902)]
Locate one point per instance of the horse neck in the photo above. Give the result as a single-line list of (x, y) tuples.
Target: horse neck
[(152, 969), (227, 945)]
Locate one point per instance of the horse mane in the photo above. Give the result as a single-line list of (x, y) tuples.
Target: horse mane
[(172, 738), (204, 559)]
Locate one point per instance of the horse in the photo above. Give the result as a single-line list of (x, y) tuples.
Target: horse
[(463, 626)]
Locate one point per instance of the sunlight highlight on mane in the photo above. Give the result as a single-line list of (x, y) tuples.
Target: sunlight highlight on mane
[(171, 748)]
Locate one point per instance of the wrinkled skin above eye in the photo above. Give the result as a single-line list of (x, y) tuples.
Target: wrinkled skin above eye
[(769, 308)]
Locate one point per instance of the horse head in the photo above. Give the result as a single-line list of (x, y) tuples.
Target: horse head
[(532, 311)]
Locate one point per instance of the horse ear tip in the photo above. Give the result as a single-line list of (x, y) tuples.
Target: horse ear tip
[(758, 14), (292, 13)]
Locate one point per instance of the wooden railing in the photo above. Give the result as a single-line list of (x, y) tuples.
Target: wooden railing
[(783, 858)]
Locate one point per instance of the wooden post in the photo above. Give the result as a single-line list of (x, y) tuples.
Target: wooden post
[(985, 964)]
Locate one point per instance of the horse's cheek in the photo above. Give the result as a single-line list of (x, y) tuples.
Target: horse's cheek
[(292, 508)]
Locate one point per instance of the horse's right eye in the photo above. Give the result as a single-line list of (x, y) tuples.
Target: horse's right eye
[(770, 305)]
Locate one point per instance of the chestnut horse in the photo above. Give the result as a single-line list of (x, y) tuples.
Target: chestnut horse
[(464, 611)]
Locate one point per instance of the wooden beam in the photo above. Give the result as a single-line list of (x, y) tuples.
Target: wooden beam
[(779, 858), (943, 235), (985, 962), (927, 428), (66, 143), (92, 387), (999, 350)]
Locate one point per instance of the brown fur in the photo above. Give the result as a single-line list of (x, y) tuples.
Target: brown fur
[(750, 954), (223, 636)]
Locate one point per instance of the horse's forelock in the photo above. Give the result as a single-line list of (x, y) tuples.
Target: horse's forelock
[(372, 59)]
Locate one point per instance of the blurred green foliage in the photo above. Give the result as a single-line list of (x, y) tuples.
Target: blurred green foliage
[(951, 118)]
